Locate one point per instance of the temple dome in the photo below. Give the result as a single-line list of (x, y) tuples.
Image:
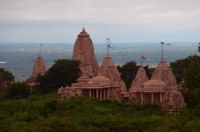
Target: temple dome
[(140, 78), (100, 80), (84, 52), (154, 85)]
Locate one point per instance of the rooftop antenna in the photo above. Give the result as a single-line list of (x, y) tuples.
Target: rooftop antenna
[(108, 46), (162, 52)]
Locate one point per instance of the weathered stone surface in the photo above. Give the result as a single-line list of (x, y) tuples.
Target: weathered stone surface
[(84, 52)]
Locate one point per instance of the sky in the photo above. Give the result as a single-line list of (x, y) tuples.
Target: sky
[(60, 21)]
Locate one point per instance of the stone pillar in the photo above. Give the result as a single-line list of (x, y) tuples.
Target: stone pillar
[(141, 95), (97, 93), (89, 93), (100, 93), (152, 98), (104, 94), (160, 97)]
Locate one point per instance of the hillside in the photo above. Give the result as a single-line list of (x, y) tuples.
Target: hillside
[(48, 113)]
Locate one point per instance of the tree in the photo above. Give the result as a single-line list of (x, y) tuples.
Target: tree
[(128, 72), (5, 75), (180, 66), (17, 90), (6, 78), (192, 82), (62, 73)]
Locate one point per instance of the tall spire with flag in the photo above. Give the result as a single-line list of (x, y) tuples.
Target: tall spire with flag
[(108, 46), (162, 52)]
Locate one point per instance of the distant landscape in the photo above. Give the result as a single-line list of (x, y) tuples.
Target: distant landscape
[(20, 57)]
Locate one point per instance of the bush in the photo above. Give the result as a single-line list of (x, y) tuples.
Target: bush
[(17, 90)]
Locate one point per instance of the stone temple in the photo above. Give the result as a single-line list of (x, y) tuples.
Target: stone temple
[(39, 69), (105, 82), (84, 52)]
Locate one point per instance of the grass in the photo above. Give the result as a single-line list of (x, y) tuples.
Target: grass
[(48, 113)]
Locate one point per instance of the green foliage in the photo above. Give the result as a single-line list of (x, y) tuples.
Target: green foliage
[(192, 82), (129, 70), (187, 72), (17, 90), (62, 73), (49, 113), (5, 75), (179, 67)]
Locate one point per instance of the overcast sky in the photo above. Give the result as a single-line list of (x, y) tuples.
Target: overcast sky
[(121, 20)]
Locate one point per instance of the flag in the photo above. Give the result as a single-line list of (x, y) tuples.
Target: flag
[(108, 43), (162, 43), (109, 46)]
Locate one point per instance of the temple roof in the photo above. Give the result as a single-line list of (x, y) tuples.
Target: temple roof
[(140, 78), (109, 69), (164, 73), (84, 52)]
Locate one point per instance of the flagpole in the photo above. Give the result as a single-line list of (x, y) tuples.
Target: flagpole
[(162, 43)]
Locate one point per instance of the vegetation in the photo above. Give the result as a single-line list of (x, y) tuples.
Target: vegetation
[(49, 113), (17, 90), (5, 75), (129, 70), (187, 72), (62, 73)]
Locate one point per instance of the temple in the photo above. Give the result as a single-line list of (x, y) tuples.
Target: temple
[(105, 82), (84, 52), (160, 89), (39, 69)]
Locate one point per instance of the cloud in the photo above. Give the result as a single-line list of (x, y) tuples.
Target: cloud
[(143, 16)]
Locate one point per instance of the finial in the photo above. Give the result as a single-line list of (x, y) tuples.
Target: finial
[(108, 46), (83, 29)]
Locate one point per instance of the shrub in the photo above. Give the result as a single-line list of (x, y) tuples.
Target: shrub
[(17, 90)]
